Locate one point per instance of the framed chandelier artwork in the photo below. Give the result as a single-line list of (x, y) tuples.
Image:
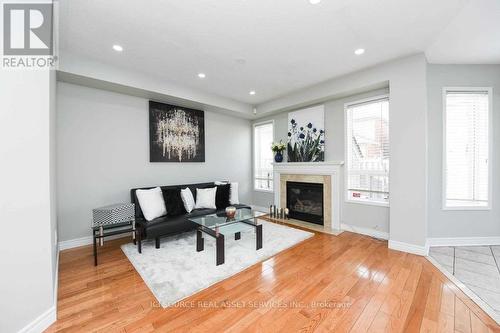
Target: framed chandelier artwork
[(176, 134)]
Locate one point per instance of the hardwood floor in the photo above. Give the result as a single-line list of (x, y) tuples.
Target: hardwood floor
[(345, 283)]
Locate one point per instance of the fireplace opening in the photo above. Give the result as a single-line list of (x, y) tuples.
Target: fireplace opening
[(305, 201)]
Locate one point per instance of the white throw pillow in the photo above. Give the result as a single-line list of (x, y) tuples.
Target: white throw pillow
[(187, 199), (233, 195), (152, 203), (220, 183), (205, 198)]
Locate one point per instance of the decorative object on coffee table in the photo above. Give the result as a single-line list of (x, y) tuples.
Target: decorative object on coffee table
[(278, 149), (112, 220), (230, 212)]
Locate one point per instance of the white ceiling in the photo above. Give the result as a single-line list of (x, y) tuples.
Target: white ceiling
[(471, 37), (274, 47)]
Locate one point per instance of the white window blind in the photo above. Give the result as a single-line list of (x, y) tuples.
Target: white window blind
[(263, 156), (466, 149), (367, 141)]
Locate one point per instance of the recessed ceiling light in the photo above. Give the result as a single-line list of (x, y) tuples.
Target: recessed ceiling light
[(202, 75), (252, 92), (314, 2), (359, 51), (117, 48)]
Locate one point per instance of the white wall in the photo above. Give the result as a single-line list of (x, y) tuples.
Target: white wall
[(53, 174), (27, 250), (445, 224), (365, 216), (408, 136), (103, 152), (408, 131)]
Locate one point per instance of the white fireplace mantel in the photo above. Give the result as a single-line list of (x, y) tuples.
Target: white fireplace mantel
[(331, 168)]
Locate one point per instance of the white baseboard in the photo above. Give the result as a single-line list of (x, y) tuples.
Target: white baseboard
[(77, 242), (410, 248), (42, 322), (72, 243), (69, 244), (463, 241), (56, 282), (365, 231)]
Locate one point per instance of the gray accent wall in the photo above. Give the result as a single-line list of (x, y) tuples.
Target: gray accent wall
[(460, 223), (103, 152), (354, 214)]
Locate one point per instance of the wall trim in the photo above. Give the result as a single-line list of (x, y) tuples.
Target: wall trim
[(77, 242), (410, 248), (365, 231), (463, 241), (87, 240), (42, 322), (56, 280), (72, 243)]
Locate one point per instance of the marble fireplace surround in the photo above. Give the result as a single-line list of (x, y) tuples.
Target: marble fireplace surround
[(326, 173)]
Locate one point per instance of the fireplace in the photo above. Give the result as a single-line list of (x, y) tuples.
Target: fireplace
[(326, 173), (305, 201)]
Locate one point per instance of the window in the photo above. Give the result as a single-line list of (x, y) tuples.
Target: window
[(263, 156), (466, 148), (367, 150)]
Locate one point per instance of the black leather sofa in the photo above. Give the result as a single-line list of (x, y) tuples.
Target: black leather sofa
[(177, 219)]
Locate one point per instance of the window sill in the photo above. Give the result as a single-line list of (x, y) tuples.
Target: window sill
[(465, 208), (367, 203), (263, 191)]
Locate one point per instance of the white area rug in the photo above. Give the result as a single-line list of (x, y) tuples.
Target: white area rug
[(176, 271)]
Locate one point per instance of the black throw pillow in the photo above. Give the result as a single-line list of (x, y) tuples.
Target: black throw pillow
[(222, 196), (173, 202)]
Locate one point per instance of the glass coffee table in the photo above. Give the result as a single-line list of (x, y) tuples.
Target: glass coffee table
[(219, 226)]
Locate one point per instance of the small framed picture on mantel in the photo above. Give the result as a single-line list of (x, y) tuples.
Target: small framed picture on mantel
[(176, 134)]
